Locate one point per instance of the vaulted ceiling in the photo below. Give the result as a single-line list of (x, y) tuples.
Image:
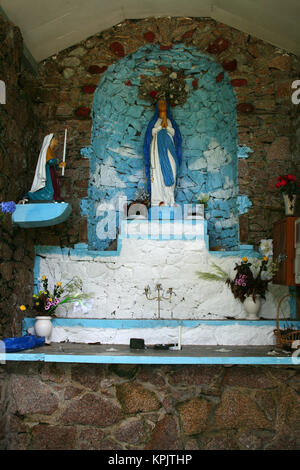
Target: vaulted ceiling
[(49, 26)]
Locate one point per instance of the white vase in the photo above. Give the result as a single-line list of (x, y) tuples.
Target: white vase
[(289, 204), (43, 327), (252, 307)]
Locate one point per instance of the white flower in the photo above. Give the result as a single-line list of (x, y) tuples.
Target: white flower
[(173, 75), (203, 198), (266, 247)]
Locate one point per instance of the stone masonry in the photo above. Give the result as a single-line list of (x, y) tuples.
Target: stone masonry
[(114, 407)]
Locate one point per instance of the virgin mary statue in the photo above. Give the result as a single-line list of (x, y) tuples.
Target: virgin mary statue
[(45, 186), (162, 152)]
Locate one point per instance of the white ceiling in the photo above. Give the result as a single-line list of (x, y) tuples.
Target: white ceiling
[(49, 26)]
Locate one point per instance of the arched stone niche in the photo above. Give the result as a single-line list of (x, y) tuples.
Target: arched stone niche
[(208, 125)]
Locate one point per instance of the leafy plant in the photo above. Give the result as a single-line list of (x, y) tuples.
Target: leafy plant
[(46, 302), (219, 275), (247, 282)]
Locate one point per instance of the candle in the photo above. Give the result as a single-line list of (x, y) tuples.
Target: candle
[(179, 337), (64, 154)]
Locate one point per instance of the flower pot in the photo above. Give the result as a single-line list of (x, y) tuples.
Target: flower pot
[(43, 327), (289, 204), (252, 307)]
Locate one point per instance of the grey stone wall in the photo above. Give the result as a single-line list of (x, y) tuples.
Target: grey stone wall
[(112, 407)]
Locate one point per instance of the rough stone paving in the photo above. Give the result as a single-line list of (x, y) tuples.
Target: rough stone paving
[(97, 407)]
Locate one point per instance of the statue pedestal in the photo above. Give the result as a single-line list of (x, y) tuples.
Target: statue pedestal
[(41, 214), (165, 229), (188, 212)]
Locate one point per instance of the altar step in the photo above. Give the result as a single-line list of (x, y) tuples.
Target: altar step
[(192, 332)]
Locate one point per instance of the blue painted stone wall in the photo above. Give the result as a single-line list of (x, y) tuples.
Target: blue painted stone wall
[(207, 122)]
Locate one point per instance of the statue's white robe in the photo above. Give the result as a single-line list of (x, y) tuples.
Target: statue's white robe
[(39, 180), (159, 191)]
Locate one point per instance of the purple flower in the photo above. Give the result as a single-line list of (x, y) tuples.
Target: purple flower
[(241, 280), (8, 207)]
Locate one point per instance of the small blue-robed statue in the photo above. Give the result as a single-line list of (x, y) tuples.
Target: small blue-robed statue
[(162, 152), (45, 186)]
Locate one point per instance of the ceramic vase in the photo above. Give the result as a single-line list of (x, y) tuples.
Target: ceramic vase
[(43, 327), (289, 204), (252, 307)]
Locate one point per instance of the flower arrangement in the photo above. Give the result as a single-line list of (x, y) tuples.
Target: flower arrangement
[(46, 302), (7, 208), (169, 85), (245, 283), (251, 279), (287, 185)]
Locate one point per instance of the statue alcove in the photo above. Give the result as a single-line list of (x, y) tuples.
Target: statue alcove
[(207, 121)]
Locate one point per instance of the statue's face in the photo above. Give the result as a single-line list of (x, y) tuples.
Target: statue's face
[(162, 106), (54, 142)]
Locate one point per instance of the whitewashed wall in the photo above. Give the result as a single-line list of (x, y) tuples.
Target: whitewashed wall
[(117, 283)]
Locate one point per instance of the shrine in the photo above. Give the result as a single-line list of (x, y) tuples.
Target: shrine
[(150, 243)]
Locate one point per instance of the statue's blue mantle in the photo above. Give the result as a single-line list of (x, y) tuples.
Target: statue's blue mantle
[(41, 214)]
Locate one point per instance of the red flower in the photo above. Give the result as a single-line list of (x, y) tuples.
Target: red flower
[(153, 93), (277, 185), (283, 183), (291, 178)]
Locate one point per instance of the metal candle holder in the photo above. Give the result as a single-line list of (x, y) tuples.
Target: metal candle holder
[(159, 296)]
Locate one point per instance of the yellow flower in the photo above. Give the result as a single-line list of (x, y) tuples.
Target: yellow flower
[(37, 303), (43, 277), (245, 259), (58, 284), (45, 292), (266, 258), (22, 307)]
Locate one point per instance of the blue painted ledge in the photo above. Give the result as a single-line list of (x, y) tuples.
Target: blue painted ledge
[(122, 354), (140, 323), (41, 214)]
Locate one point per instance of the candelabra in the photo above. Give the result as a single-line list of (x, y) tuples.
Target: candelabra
[(159, 296)]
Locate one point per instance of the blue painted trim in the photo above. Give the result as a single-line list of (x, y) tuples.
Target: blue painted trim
[(131, 323), (41, 214), (147, 359)]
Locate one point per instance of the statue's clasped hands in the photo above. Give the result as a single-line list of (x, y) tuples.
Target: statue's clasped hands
[(164, 123)]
